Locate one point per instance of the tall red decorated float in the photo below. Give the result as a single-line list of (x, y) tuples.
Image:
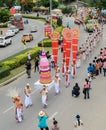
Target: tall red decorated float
[(67, 34), (55, 36), (75, 36)]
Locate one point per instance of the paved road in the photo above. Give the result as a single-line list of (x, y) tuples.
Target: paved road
[(64, 107), (17, 46)]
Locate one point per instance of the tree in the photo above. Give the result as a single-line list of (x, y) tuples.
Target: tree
[(27, 5), (46, 3), (4, 15)]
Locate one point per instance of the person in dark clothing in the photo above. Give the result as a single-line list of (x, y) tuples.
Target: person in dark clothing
[(76, 90), (28, 68), (36, 64), (55, 125)]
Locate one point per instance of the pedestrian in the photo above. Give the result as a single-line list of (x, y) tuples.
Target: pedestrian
[(57, 84), (68, 77), (86, 89), (78, 123), (36, 60), (104, 67), (18, 108), (44, 93), (28, 56), (28, 68), (28, 100), (52, 61), (73, 70), (55, 125), (42, 117), (76, 90)]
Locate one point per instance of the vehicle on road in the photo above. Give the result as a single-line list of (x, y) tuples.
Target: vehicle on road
[(17, 21), (34, 29), (27, 37), (14, 28), (5, 40), (10, 33)]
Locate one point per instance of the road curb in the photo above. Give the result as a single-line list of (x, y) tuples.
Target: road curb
[(12, 79)]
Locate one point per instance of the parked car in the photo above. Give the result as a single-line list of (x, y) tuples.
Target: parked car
[(34, 29), (14, 28), (5, 40), (10, 33), (27, 37)]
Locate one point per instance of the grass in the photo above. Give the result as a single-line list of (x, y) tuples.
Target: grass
[(20, 69)]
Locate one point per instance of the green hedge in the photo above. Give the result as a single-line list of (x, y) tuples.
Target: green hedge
[(4, 71), (34, 17), (20, 59), (46, 41)]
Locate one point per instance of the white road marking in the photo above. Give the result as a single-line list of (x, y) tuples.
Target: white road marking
[(8, 109), (50, 118)]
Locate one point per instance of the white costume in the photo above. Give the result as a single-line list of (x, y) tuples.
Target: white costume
[(56, 85), (78, 127), (19, 114), (73, 71), (28, 100), (44, 97)]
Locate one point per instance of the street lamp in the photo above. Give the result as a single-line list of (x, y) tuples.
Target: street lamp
[(51, 12)]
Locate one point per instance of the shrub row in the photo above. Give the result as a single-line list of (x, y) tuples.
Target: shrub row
[(46, 41), (34, 17), (16, 60), (4, 71)]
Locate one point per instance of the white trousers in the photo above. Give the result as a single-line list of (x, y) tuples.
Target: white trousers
[(28, 100), (19, 114)]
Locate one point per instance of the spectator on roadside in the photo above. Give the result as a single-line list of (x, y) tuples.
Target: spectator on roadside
[(86, 89), (76, 90), (28, 56), (104, 67), (78, 123), (42, 117), (55, 125), (36, 60), (28, 68)]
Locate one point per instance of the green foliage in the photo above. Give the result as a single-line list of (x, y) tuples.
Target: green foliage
[(4, 71), (3, 25), (59, 22), (20, 59), (46, 3), (34, 17), (4, 15), (67, 10), (46, 41)]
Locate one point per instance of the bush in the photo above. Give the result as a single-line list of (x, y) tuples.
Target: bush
[(3, 25), (4, 71), (47, 43), (20, 59)]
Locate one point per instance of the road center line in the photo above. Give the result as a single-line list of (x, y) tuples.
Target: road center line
[(8, 109), (50, 118)]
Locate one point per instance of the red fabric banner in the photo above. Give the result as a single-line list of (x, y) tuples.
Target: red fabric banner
[(55, 50), (74, 49), (68, 49)]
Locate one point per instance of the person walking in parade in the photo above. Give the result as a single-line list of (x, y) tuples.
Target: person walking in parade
[(78, 123), (42, 117), (44, 93), (28, 100)]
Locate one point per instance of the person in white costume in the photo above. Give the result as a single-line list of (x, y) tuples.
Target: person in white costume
[(44, 93), (78, 123), (28, 100), (73, 70), (57, 84), (78, 61)]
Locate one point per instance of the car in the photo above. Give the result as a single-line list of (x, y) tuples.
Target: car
[(5, 40), (14, 28), (10, 33), (27, 37), (34, 29)]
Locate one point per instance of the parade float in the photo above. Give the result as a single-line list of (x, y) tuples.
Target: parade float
[(45, 77)]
